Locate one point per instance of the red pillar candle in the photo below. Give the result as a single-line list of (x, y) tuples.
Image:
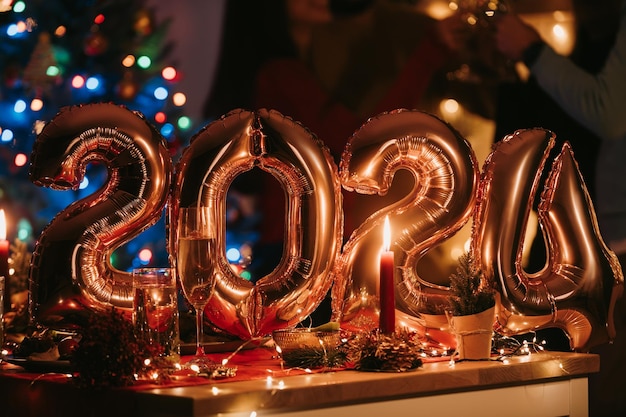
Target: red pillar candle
[(4, 260), (387, 319)]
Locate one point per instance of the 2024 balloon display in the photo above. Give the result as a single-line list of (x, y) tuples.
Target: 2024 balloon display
[(71, 273)]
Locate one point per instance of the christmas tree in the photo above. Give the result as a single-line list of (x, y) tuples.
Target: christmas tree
[(56, 53)]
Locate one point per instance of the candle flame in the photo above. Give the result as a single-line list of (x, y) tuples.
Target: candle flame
[(3, 226), (386, 234)]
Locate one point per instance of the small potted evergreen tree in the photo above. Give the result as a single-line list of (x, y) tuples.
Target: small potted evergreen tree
[(472, 309)]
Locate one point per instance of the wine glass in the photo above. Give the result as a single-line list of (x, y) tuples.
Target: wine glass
[(196, 270), (479, 60)]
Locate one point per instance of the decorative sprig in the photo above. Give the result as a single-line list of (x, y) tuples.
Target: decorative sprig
[(108, 353), (314, 357), (469, 293), (20, 263)]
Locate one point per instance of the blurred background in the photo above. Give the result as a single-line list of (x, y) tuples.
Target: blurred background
[(160, 58)]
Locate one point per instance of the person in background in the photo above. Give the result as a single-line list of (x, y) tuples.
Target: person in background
[(330, 65), (590, 90), (594, 97), (525, 103)]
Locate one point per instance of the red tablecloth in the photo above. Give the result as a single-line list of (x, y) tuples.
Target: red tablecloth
[(257, 363)]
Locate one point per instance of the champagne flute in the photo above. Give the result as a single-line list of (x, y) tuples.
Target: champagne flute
[(480, 61), (196, 270)]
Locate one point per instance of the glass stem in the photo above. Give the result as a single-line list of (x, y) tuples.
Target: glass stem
[(199, 330)]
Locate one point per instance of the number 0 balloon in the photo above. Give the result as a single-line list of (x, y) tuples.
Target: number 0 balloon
[(238, 142)]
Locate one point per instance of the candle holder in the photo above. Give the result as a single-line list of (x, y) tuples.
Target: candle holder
[(2, 291), (303, 338), (310, 348)]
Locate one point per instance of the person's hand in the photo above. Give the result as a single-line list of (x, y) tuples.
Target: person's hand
[(513, 36)]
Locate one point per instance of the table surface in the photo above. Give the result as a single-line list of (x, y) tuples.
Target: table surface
[(298, 392), (349, 387)]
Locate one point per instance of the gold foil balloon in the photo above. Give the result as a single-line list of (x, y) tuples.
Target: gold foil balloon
[(437, 205), (577, 289), (71, 272), (229, 146)]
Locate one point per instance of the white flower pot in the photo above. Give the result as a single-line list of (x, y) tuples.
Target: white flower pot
[(474, 333)]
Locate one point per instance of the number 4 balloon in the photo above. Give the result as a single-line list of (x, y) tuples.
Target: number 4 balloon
[(578, 287)]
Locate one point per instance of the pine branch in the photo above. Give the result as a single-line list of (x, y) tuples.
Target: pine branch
[(470, 294)]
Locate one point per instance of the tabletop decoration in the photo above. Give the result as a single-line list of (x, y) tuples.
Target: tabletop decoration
[(400, 351), (217, 372), (225, 368), (40, 344), (310, 348), (386, 286), (472, 310), (506, 347), (110, 355), (311, 357), (16, 318), (19, 263), (469, 292)]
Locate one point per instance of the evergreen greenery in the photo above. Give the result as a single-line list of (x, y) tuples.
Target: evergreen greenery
[(109, 353), (469, 292)]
